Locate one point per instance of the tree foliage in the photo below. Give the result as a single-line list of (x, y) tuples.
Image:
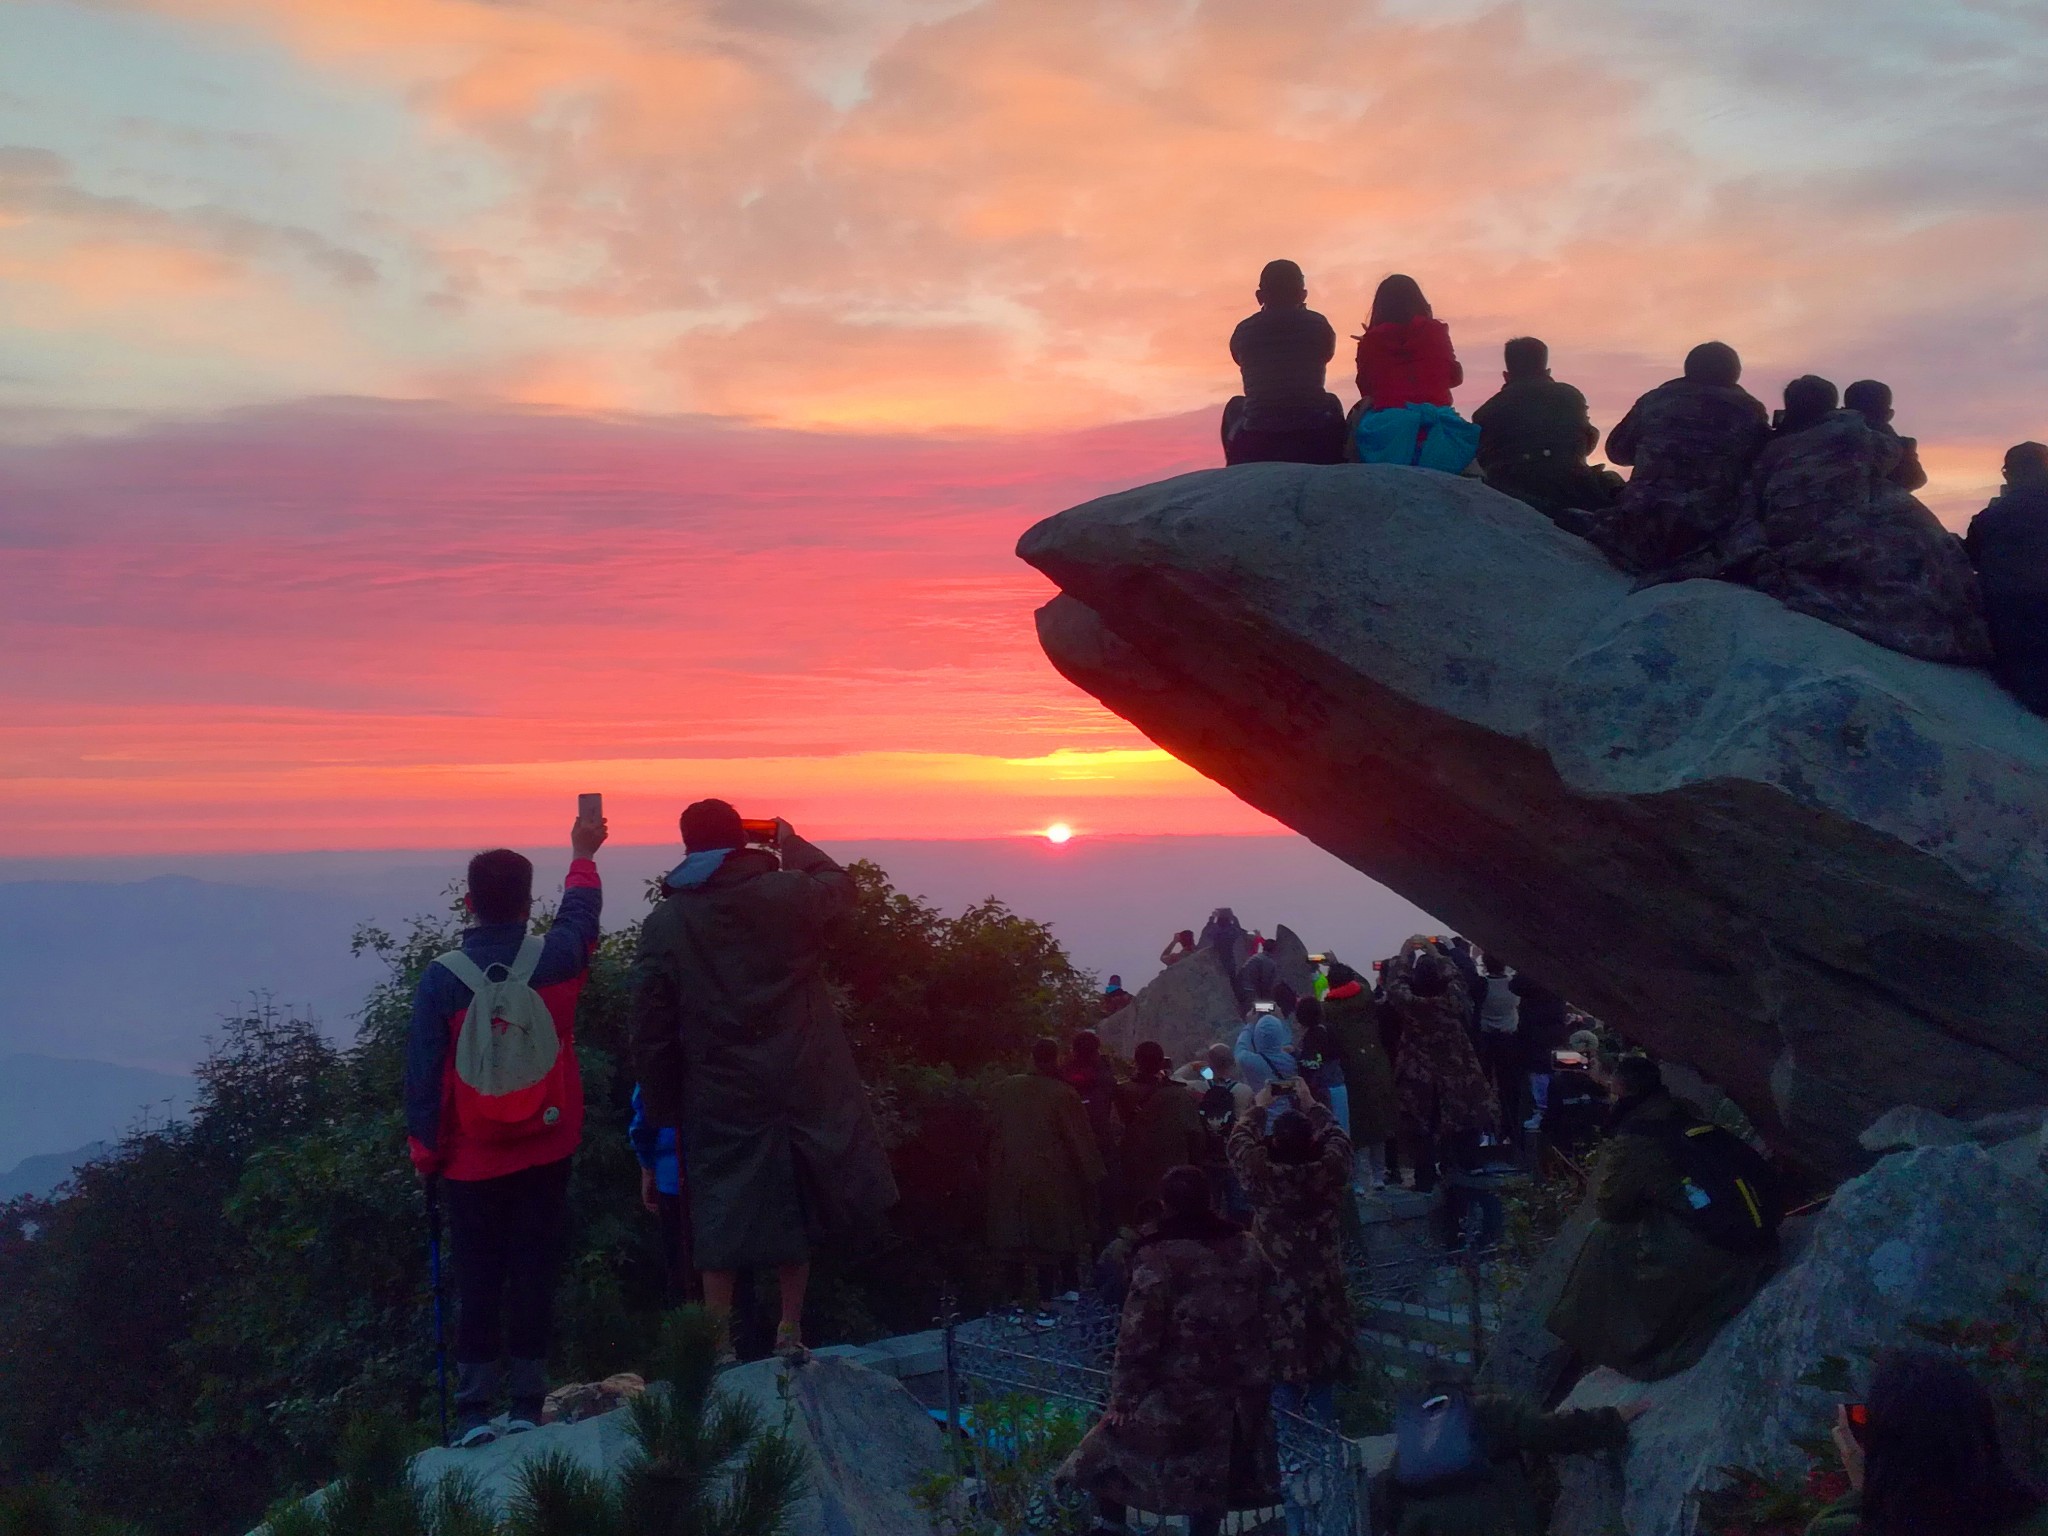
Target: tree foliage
[(194, 1322)]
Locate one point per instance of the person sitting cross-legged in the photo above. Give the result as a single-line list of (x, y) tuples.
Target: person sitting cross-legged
[(1534, 436), (1285, 415)]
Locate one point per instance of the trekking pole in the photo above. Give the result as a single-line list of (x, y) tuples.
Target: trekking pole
[(440, 1315)]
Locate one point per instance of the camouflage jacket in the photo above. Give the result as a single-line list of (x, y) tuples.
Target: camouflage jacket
[(1692, 446), (1296, 1208)]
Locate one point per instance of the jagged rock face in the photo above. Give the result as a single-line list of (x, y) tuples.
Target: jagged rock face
[(1809, 866), (1928, 1236), (1186, 1008)]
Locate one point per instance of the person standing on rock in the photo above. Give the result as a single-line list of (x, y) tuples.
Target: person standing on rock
[(494, 1113), (1534, 435), (1692, 442), (1044, 1178), (1650, 1289), (2008, 544), (737, 1042), (1189, 1426), (1446, 1105), (1352, 1016), (1543, 1023), (1161, 1127), (1285, 414)]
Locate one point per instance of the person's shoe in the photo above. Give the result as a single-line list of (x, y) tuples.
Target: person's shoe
[(1044, 1318), (788, 1346), (1533, 1123), (1070, 1296), (481, 1433), (518, 1423)]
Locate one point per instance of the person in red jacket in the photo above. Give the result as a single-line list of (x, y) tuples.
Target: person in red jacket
[(1405, 355), (506, 1182)]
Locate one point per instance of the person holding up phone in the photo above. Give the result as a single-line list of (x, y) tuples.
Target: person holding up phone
[(1923, 1455)]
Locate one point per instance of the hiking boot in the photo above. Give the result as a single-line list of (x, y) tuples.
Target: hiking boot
[(788, 1346), (518, 1423), (527, 1383), (476, 1402)]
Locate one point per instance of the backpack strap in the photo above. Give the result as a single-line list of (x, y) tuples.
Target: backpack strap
[(464, 970), (528, 959)]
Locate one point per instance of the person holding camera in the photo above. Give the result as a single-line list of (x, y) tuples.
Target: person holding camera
[(738, 1044), (1924, 1458)]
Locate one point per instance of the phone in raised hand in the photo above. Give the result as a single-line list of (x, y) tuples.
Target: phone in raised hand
[(590, 809)]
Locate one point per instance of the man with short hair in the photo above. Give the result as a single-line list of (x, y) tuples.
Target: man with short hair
[(1285, 414), (738, 1044), (499, 1152), (1534, 435), (1872, 400), (2008, 544), (1692, 442)]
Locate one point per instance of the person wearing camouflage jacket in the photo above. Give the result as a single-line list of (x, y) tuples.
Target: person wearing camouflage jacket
[(1297, 1184), (1189, 1427), (1445, 1097), (1827, 532), (1691, 442)]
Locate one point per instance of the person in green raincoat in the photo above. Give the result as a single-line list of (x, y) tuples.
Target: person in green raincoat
[(1162, 1127), (1044, 1173), (1498, 1499), (1648, 1292)]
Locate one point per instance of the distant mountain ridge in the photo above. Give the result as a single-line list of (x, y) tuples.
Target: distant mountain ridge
[(41, 1174), (49, 1104)]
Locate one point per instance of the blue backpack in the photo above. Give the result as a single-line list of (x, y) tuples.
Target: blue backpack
[(1437, 1445), (1422, 436)]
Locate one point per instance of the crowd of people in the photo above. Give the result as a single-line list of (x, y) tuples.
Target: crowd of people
[(1209, 1201), (1813, 505)]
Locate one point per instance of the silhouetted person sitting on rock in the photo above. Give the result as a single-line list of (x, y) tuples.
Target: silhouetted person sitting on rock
[(1692, 442), (1826, 533), (1872, 400), (1407, 369), (2008, 544), (1928, 1458), (1655, 1282), (1534, 436), (1285, 414)]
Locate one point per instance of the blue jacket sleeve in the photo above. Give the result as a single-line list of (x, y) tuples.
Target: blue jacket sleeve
[(645, 1139), (426, 1055), (575, 931)]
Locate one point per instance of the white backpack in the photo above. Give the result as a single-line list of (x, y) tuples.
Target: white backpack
[(507, 1050)]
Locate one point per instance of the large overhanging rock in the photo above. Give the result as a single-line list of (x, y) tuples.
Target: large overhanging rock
[(1812, 867)]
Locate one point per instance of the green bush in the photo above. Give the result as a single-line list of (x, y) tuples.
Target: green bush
[(194, 1325)]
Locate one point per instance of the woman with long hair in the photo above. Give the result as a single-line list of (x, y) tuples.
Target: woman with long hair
[(1405, 355), (1406, 372), (1926, 1458)]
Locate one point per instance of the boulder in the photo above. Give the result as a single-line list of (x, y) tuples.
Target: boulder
[(867, 1441), (1290, 955), (1186, 1008), (1809, 866), (1926, 1236)]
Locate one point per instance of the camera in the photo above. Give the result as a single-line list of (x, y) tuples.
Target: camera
[(759, 831)]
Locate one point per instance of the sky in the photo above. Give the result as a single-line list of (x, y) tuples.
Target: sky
[(416, 412)]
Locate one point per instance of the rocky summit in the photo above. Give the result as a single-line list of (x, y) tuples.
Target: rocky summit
[(1813, 868)]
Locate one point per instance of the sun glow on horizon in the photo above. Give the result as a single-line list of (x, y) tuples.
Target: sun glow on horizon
[(1058, 832)]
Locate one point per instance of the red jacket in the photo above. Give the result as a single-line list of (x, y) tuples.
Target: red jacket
[(1408, 364), (437, 1142)]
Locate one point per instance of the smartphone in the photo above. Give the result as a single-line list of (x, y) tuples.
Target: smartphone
[(1858, 1415), (759, 831), (590, 809), (1265, 1007), (1208, 1074), (1567, 1061), (1318, 959)]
